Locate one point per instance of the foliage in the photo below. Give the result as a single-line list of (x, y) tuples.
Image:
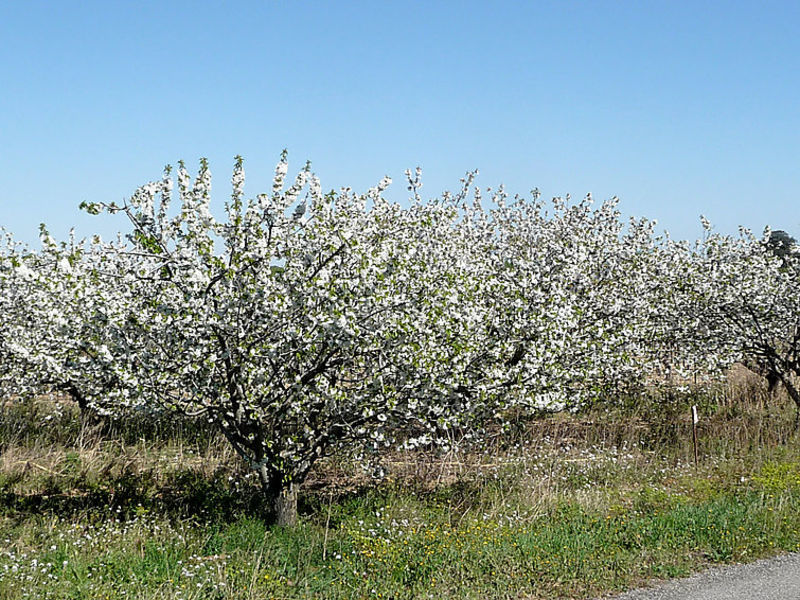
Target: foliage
[(781, 243)]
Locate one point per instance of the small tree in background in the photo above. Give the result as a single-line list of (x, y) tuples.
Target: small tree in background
[(59, 323), (559, 287), (744, 298), (781, 244)]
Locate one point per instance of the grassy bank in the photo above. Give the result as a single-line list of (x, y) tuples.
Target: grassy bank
[(565, 507)]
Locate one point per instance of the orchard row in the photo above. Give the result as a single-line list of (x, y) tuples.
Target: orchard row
[(303, 323)]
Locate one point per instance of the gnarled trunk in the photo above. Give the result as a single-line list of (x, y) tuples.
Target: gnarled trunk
[(281, 497), (88, 414)]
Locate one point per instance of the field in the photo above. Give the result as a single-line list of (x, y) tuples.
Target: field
[(565, 506)]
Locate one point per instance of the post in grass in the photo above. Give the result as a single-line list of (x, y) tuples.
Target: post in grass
[(695, 420)]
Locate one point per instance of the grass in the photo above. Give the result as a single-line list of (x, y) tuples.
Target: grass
[(563, 507)]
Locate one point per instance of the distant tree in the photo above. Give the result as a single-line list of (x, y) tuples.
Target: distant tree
[(744, 300), (780, 243), (57, 323)]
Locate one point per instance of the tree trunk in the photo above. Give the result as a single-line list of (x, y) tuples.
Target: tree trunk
[(88, 415), (285, 507), (773, 381), (281, 497), (76, 395)]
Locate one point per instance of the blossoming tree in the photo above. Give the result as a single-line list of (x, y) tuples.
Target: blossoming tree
[(302, 323), (746, 298), (59, 320)]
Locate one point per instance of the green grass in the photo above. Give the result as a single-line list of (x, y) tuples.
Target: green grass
[(393, 544), (566, 507)]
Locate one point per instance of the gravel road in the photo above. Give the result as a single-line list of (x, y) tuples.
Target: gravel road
[(770, 579)]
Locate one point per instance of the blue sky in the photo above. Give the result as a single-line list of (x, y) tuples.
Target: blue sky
[(677, 108)]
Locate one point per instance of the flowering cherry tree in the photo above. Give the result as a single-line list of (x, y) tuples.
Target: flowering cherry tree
[(58, 324), (557, 297), (747, 300), (301, 324), (305, 323)]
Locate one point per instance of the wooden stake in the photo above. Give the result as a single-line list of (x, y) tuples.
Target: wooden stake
[(695, 419)]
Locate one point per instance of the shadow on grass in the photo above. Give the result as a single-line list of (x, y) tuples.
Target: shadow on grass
[(186, 494), (207, 499)]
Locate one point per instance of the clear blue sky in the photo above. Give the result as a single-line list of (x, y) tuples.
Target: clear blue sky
[(678, 108)]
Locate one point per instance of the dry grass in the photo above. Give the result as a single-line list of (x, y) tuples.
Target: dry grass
[(46, 449)]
